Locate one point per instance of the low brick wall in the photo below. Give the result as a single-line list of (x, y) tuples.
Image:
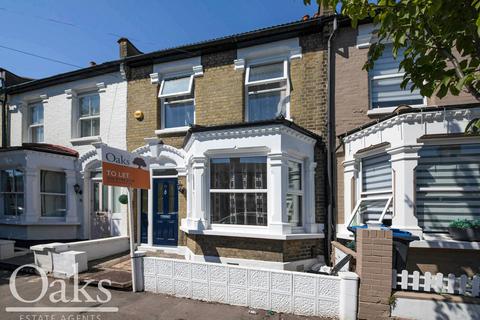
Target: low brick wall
[(255, 249), (280, 291)]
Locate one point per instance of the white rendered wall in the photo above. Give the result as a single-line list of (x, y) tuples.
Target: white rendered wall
[(60, 108), (58, 111)]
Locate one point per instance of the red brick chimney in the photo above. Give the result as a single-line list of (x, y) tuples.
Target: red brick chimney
[(127, 49)]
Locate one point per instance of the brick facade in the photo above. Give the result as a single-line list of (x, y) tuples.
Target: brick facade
[(141, 95), (374, 267), (255, 249), (220, 99)]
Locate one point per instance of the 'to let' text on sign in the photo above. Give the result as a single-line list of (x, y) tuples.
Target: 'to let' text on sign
[(124, 169)]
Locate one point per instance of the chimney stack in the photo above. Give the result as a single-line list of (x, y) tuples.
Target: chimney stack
[(127, 49)]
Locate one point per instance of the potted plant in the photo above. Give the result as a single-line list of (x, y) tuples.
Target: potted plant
[(465, 230)]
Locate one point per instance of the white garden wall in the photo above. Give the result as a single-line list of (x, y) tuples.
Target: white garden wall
[(280, 291)]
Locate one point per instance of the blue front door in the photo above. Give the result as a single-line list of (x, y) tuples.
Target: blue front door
[(165, 211), (143, 216)]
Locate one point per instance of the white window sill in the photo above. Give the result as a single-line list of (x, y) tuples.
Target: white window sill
[(443, 241), (240, 234), (85, 140), (388, 110), (172, 130), (39, 222)]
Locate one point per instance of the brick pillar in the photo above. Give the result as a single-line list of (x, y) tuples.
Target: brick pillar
[(374, 266)]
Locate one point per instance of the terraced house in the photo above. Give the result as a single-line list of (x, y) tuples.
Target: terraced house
[(50, 174), (246, 165), (236, 129), (403, 159)]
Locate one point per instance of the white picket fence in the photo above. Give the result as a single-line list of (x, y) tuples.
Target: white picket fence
[(438, 283)]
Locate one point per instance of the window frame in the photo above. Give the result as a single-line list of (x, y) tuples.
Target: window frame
[(384, 194), (176, 94), (35, 125), (178, 97), (81, 118), (300, 192), (110, 192), (235, 191), (284, 84), (163, 112), (3, 194), (448, 190), (398, 74), (41, 194)]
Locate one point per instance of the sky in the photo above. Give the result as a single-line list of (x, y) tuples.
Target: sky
[(77, 32)]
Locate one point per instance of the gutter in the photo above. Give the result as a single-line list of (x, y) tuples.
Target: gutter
[(331, 141)]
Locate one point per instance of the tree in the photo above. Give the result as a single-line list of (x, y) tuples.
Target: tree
[(440, 40)]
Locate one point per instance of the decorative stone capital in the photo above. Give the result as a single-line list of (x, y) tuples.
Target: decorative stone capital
[(70, 93), (239, 64), (154, 78), (101, 86), (296, 53), (197, 71)]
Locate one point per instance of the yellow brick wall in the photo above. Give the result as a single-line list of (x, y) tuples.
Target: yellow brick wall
[(141, 95), (219, 93)]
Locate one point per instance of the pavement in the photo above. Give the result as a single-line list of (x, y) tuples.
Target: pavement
[(141, 306)]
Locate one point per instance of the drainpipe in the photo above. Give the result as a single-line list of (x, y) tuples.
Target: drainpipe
[(330, 235)]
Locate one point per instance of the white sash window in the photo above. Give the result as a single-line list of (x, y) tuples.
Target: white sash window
[(385, 80), (177, 100), (35, 125), (238, 191), (266, 91)]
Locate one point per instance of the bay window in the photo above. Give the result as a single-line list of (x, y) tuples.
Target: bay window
[(89, 115), (376, 195), (295, 194), (266, 91), (447, 185), (53, 193), (177, 102), (11, 192), (238, 191), (35, 125), (385, 80)]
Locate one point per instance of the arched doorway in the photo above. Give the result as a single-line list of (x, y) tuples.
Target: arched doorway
[(158, 219)]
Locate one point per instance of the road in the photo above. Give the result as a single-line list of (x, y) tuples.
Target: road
[(141, 306)]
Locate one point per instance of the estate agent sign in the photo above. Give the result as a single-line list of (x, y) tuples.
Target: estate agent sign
[(124, 169)]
